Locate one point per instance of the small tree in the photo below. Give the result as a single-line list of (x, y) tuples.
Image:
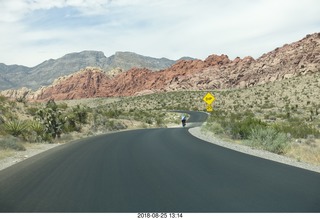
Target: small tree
[(52, 119)]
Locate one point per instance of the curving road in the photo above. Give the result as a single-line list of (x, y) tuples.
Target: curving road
[(155, 170)]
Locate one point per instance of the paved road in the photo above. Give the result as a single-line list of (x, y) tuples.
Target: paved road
[(155, 170)]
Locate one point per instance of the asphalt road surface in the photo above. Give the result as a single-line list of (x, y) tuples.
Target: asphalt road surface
[(155, 170)]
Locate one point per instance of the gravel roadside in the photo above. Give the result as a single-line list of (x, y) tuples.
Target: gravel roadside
[(19, 156), (209, 137)]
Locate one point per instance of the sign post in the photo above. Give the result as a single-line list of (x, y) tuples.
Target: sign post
[(209, 108), (209, 98)]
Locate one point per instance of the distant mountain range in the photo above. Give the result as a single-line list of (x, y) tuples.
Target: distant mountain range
[(215, 72), (17, 76)]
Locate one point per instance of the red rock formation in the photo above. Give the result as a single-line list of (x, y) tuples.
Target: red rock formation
[(86, 83)]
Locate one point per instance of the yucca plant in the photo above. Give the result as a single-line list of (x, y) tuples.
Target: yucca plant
[(37, 127), (35, 131), (15, 127)]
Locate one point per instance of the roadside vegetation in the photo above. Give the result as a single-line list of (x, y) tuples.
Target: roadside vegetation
[(282, 117), (23, 123)]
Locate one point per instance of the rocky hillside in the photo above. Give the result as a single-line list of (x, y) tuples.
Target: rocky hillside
[(15, 76), (218, 72), (215, 72), (8, 73)]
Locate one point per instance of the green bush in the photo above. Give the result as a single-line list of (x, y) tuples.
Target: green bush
[(113, 113), (37, 127), (215, 127), (11, 142), (3, 99), (81, 114), (15, 127), (269, 139), (159, 120), (70, 123), (32, 110), (241, 129), (297, 129), (35, 132)]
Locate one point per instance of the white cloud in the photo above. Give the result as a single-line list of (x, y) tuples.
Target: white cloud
[(43, 29), (12, 11), (15, 10)]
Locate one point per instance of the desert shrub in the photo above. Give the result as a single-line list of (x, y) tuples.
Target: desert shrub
[(159, 120), (269, 139), (3, 99), (52, 120), (115, 125), (11, 142), (81, 114), (37, 127), (148, 121), (35, 132), (2, 121), (297, 129), (235, 125), (143, 116), (112, 113), (32, 110), (62, 106), (241, 129), (70, 123), (15, 127), (21, 99), (215, 127), (101, 122), (218, 116)]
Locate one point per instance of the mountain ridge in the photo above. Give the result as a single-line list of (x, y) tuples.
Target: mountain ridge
[(215, 72), (43, 74)]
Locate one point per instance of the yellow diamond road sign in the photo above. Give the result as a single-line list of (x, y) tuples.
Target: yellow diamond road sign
[(208, 98)]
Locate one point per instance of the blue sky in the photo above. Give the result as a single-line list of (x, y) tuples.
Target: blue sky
[(33, 31)]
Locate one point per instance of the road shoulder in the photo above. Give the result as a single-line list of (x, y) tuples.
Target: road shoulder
[(209, 137)]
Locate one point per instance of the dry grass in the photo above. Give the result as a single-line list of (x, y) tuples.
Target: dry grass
[(6, 153), (305, 151)]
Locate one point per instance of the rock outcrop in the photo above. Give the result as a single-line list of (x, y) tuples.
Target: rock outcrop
[(89, 82)]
